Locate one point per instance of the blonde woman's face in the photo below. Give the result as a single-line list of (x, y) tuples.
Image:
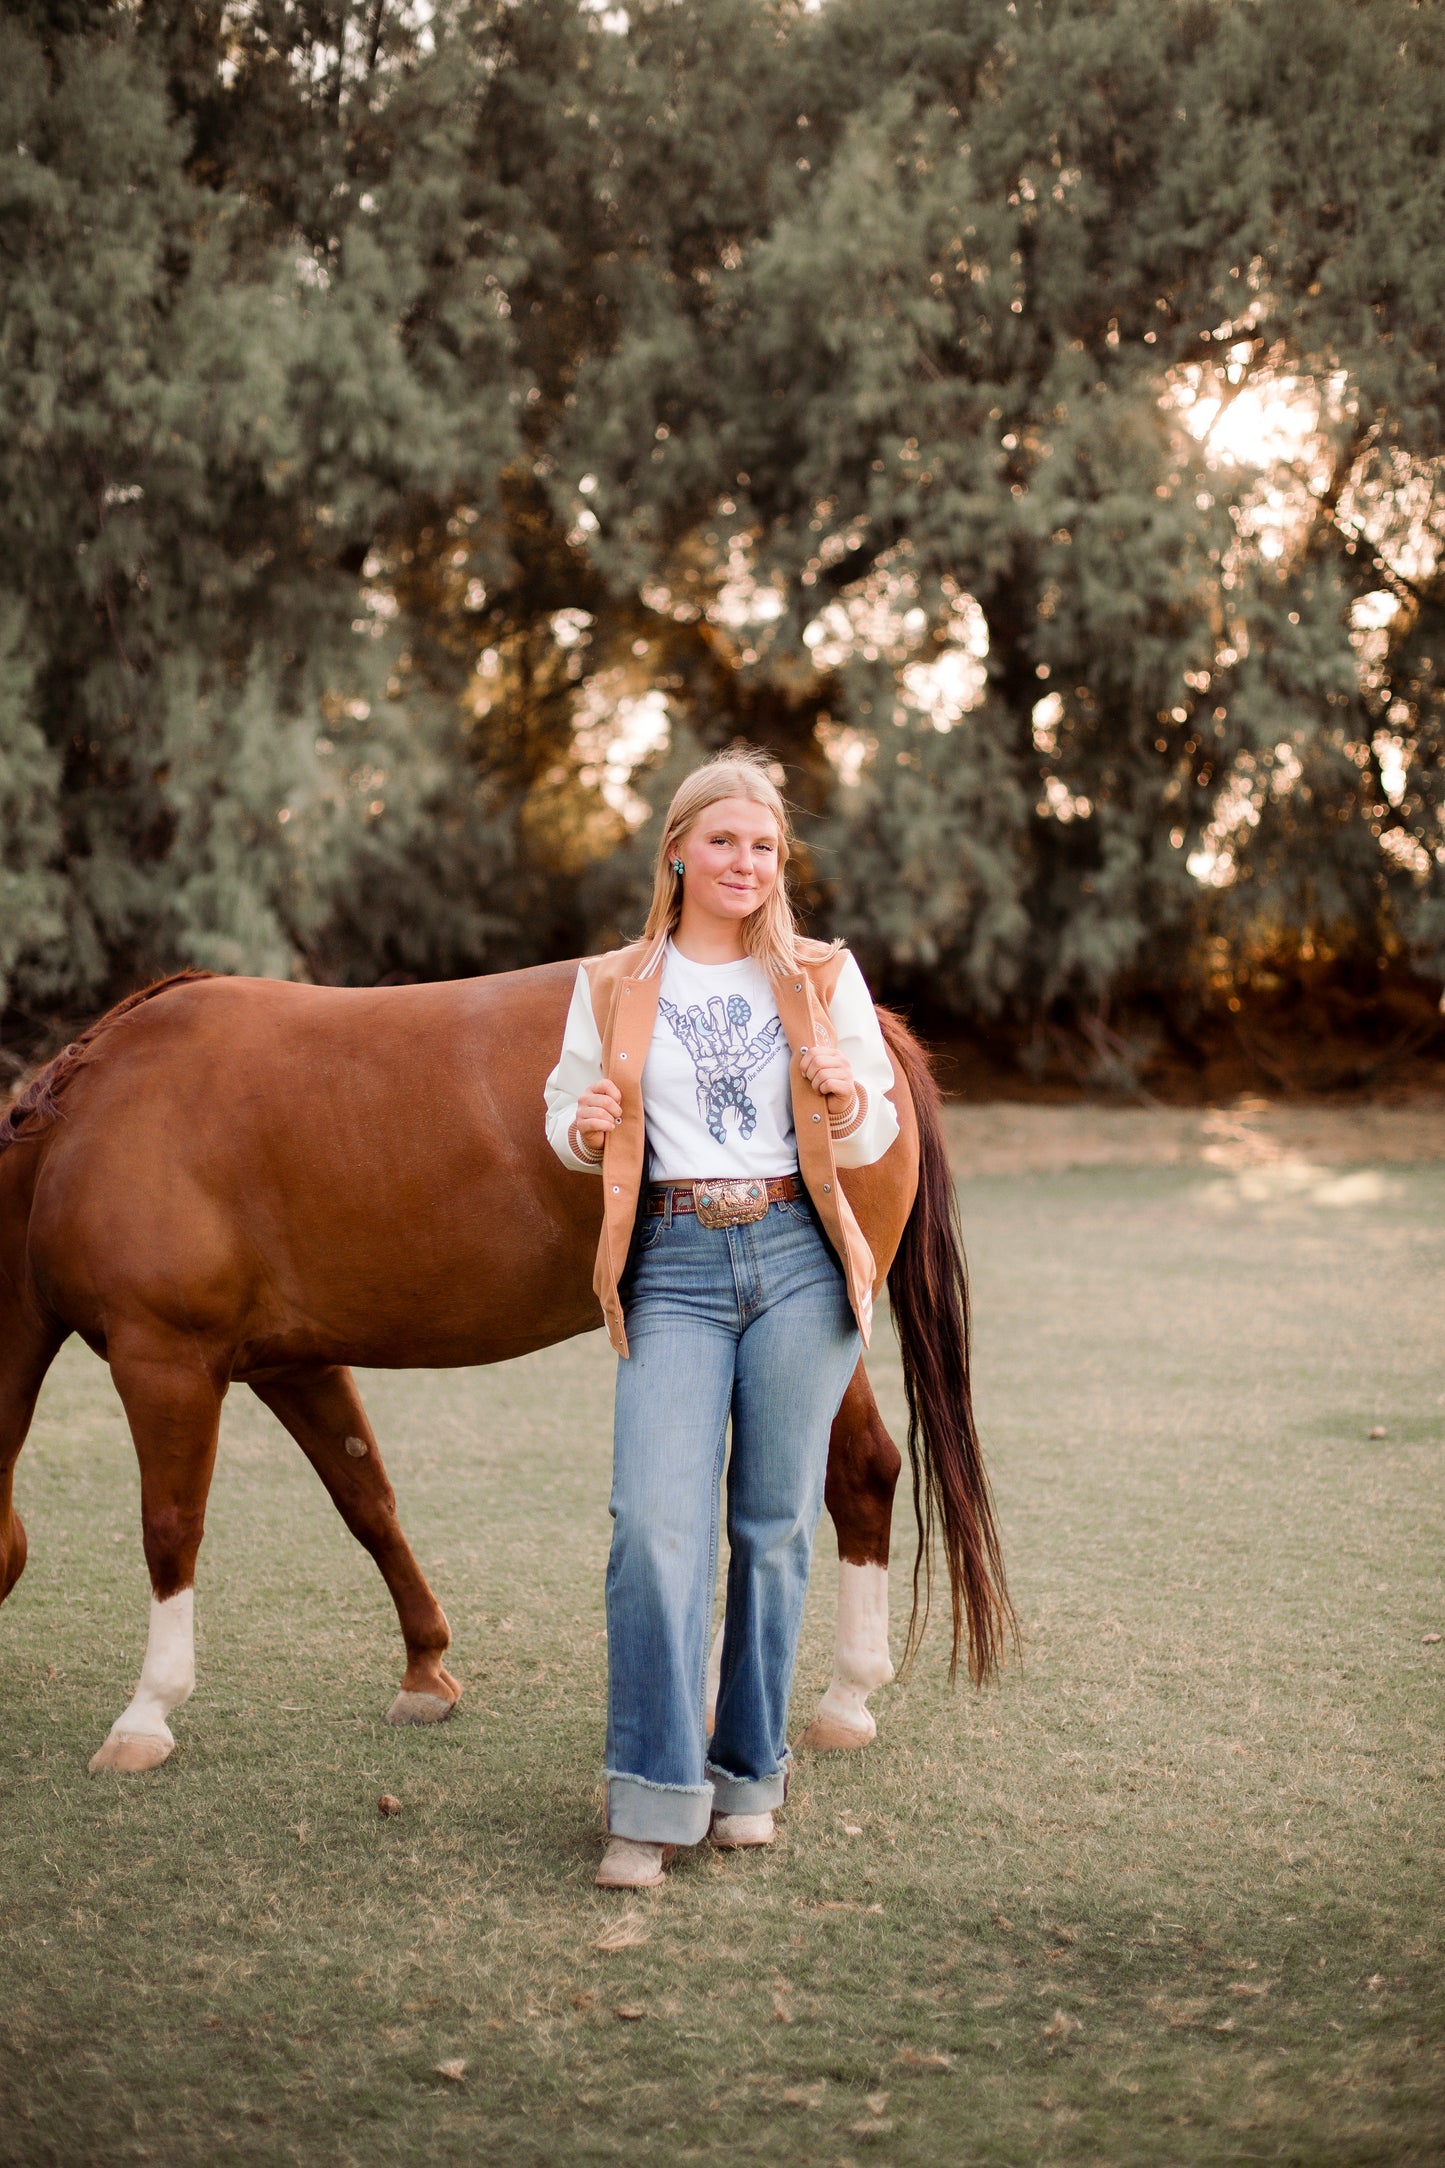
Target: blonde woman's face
[(731, 857)]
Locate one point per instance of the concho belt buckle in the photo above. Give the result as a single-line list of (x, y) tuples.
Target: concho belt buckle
[(730, 1204)]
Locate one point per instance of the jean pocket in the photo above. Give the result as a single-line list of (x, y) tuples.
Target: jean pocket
[(649, 1232)]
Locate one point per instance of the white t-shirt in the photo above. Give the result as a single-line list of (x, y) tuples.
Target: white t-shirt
[(715, 1084), (710, 1068)]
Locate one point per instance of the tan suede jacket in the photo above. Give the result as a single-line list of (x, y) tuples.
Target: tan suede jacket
[(624, 987)]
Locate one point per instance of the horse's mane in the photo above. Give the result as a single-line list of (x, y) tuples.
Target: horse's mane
[(31, 1113)]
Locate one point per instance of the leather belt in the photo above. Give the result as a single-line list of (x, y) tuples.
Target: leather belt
[(729, 1201)]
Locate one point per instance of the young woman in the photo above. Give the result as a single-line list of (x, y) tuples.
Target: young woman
[(716, 1074)]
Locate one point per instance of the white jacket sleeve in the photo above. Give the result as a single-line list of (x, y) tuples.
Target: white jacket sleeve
[(860, 1037), (578, 1065)]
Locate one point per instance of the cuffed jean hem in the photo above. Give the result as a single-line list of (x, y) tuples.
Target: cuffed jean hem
[(658, 1813), (746, 1795)]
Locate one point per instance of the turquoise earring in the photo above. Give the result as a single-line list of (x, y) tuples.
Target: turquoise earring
[(678, 868)]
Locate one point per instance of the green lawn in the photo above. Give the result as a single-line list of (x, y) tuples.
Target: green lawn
[(1172, 1894)]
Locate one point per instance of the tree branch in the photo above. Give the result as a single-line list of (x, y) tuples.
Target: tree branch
[(378, 17)]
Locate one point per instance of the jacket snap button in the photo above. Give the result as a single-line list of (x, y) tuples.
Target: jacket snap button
[(817, 1117), (622, 1057), (617, 1188), (797, 986), (828, 1186)]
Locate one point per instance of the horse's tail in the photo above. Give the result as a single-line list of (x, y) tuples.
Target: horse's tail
[(928, 1292)]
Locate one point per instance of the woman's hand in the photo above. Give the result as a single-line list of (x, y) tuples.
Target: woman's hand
[(599, 1110), (830, 1073)]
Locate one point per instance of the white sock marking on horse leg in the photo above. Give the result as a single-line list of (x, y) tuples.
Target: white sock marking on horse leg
[(714, 1681), (860, 1658), (168, 1674)]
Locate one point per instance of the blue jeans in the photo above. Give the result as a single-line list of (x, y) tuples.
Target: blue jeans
[(754, 1323)]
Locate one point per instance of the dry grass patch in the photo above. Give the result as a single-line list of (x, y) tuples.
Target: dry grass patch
[(1170, 1895)]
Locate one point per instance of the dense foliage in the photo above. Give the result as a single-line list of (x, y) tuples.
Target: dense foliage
[(420, 431)]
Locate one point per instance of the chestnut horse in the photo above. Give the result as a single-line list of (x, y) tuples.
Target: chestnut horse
[(246, 1179)]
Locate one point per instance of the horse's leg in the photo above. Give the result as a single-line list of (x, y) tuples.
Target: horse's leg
[(25, 1356), (172, 1399), (323, 1412), (863, 1468)]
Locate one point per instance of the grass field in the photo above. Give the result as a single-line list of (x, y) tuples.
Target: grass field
[(1171, 1894)]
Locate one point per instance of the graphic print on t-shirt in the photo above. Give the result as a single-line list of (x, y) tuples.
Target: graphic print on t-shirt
[(724, 1057)]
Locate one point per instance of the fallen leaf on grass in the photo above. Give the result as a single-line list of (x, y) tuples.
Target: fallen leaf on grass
[(388, 1804), (1377, 1430), (455, 2070), (852, 1829), (629, 2011), (805, 2096), (1225, 2025), (866, 2129), (923, 2059), (1375, 1982), (1249, 1987), (782, 2015), (628, 1933), (1061, 2026), (1428, 1641)]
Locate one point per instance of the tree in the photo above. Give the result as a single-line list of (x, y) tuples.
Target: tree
[(213, 400), (955, 364), (402, 419)]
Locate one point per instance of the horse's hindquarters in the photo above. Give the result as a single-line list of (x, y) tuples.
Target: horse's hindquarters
[(272, 1266)]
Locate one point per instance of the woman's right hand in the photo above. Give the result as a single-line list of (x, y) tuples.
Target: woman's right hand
[(599, 1110)]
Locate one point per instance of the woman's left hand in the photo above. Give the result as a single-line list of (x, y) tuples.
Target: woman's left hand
[(830, 1073)]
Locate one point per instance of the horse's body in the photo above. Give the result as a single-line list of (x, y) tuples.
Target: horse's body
[(245, 1179)]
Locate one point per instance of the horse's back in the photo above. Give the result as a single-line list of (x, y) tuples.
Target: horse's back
[(312, 1170)]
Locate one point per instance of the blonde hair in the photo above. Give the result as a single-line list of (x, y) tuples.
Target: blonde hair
[(770, 935)]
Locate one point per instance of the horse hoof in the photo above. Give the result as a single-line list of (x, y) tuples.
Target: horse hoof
[(830, 1733), (128, 1752), (419, 1709)]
